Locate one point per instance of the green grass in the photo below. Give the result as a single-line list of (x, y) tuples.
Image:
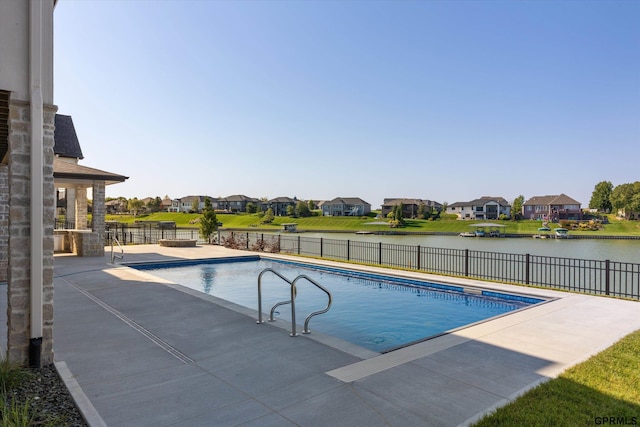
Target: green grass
[(317, 223), (11, 375), (606, 385)]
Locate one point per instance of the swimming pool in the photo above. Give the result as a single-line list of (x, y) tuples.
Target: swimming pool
[(378, 312)]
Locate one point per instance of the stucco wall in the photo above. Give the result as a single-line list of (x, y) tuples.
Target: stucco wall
[(14, 49)]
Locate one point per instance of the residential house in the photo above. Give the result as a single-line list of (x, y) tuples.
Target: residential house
[(628, 214), (279, 205), (346, 206), (236, 203), (186, 204), (410, 207), (33, 155), (116, 206), (165, 204), (552, 208), (486, 207)]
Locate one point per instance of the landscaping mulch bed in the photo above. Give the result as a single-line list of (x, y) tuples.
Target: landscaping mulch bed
[(48, 397)]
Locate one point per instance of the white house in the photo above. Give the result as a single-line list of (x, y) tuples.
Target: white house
[(485, 207)]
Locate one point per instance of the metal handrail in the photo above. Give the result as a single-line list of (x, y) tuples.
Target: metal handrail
[(113, 254), (315, 313), (267, 270), (291, 301)]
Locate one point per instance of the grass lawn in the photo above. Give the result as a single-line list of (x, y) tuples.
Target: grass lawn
[(615, 226), (606, 385)]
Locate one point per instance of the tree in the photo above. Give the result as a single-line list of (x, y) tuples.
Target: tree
[(311, 204), (135, 205), (302, 209), (208, 221), (600, 198), (516, 208), (397, 216), (626, 196), (423, 212), (154, 205), (268, 216), (195, 205), (251, 208)]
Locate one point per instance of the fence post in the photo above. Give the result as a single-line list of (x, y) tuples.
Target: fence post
[(418, 261), (607, 269), (466, 262), (527, 266), (279, 245), (348, 250), (321, 251), (247, 240), (380, 253), (298, 244)]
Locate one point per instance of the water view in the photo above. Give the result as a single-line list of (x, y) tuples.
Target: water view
[(596, 249)]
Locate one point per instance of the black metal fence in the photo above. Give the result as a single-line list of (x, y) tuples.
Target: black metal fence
[(599, 277), (149, 232)]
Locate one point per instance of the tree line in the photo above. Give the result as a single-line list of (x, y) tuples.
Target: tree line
[(607, 198)]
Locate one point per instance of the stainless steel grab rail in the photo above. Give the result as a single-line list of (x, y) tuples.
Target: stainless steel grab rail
[(292, 284), (315, 313), (114, 255)]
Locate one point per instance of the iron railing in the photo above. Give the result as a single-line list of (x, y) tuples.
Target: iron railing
[(599, 277), (150, 233)]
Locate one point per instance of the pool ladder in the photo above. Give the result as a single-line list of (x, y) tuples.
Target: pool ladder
[(291, 283), (114, 255)]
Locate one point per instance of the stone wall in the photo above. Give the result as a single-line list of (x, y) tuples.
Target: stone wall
[(86, 243), (81, 208), (19, 232), (98, 218)]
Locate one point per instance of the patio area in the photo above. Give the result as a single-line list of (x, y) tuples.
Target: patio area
[(137, 350)]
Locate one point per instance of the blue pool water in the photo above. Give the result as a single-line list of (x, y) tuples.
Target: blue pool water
[(377, 312)]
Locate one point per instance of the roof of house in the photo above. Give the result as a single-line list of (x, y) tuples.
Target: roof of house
[(190, 199), (481, 201), (394, 202), (347, 201), (63, 170), (239, 198), (66, 142), (282, 200), (561, 199)]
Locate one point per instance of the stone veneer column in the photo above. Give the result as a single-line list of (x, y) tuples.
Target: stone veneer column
[(70, 211), (98, 214), (19, 245), (81, 208)]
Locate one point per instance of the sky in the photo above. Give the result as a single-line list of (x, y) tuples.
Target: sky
[(440, 100)]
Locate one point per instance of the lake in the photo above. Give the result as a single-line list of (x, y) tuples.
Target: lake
[(598, 249)]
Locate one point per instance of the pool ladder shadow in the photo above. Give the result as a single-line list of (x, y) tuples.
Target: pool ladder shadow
[(292, 284)]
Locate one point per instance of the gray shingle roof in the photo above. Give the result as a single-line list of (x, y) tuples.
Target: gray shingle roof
[(66, 170), (347, 201), (561, 199), (66, 142)]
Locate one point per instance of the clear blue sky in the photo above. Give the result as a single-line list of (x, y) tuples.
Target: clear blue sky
[(439, 100)]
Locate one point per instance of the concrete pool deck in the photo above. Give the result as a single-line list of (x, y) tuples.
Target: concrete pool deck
[(139, 351)]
